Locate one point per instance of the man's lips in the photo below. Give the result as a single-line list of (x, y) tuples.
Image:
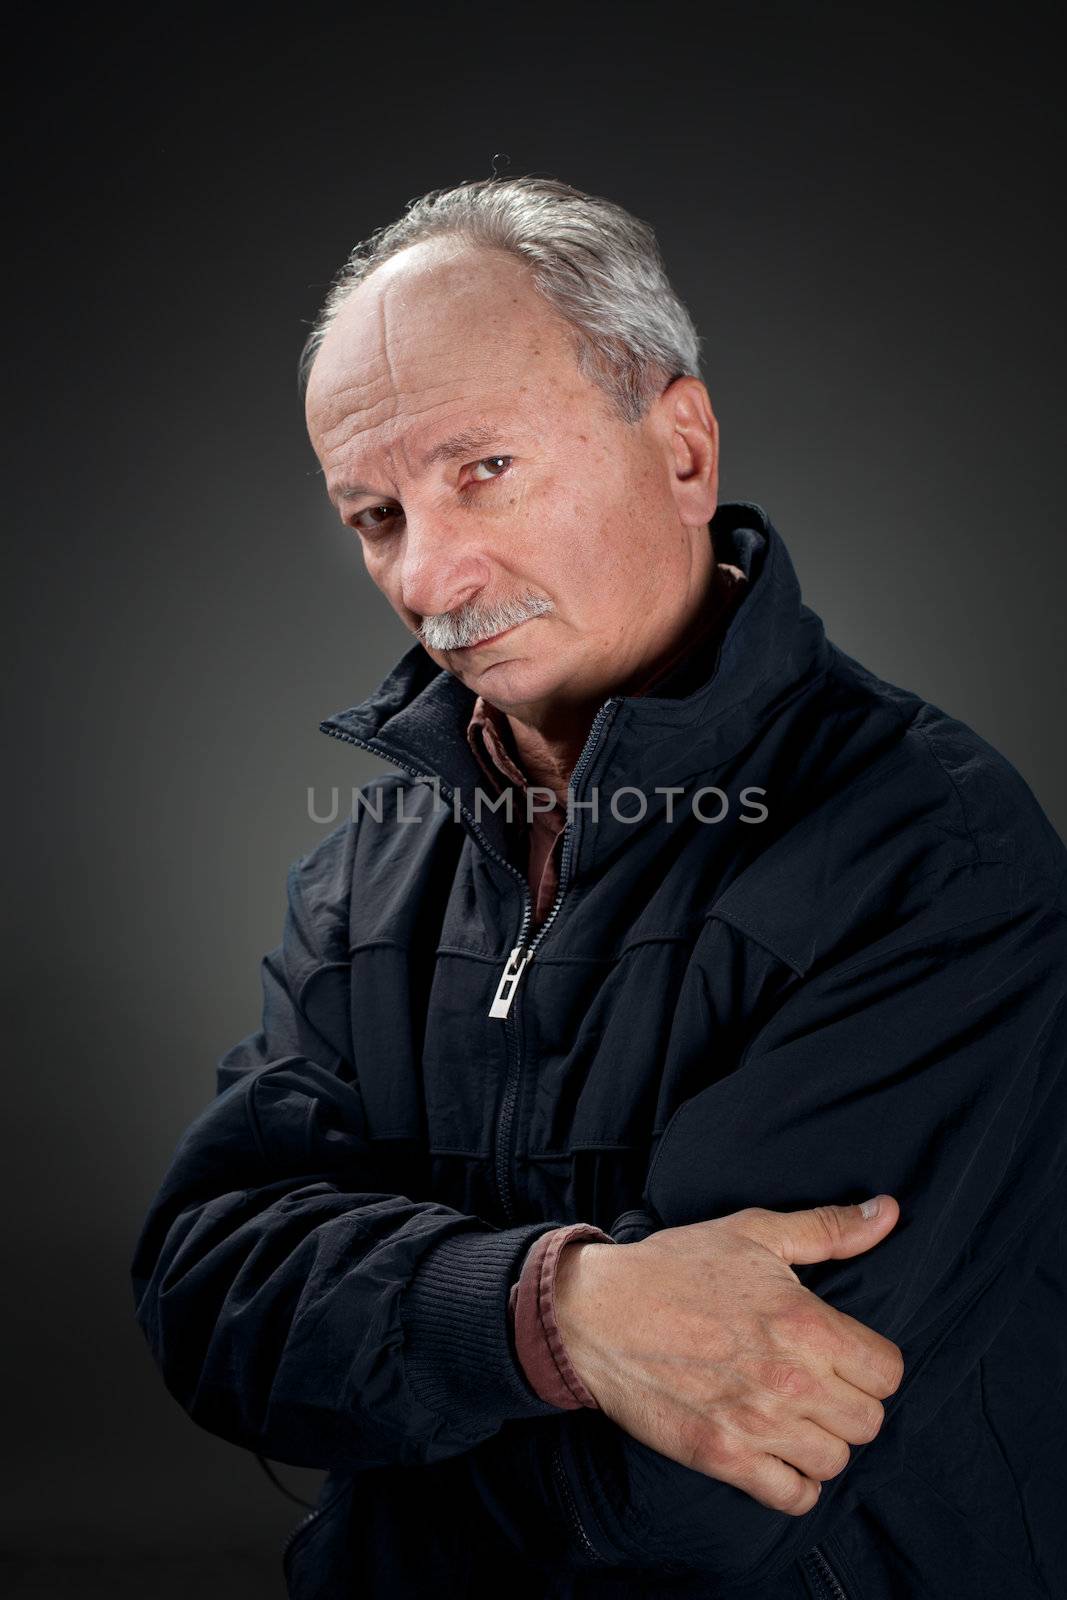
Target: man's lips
[(491, 639)]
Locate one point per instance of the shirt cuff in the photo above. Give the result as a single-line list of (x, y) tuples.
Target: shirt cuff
[(532, 1311)]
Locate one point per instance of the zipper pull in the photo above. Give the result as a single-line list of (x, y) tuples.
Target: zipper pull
[(505, 989)]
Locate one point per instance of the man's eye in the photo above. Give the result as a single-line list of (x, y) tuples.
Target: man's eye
[(486, 460), (372, 524), (376, 519)]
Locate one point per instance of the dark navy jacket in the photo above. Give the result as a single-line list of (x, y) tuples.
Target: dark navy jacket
[(862, 992)]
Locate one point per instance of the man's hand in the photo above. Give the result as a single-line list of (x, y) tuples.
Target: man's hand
[(703, 1343)]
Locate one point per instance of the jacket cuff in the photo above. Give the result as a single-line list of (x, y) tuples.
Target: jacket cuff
[(460, 1358)]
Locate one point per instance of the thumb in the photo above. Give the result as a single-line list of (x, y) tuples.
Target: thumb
[(826, 1233)]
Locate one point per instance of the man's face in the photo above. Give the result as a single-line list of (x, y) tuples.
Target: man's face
[(550, 505)]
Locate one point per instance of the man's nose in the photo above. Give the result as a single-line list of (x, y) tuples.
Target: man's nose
[(441, 567)]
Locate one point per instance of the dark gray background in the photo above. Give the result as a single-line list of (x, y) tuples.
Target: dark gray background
[(856, 203)]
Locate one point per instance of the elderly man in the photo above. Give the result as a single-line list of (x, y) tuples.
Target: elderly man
[(675, 929)]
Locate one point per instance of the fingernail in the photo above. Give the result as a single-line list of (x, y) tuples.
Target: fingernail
[(870, 1208)]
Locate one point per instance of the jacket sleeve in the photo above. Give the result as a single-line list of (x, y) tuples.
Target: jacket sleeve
[(294, 1302), (930, 1065)]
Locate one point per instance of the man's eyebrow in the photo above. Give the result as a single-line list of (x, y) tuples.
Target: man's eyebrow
[(468, 441)]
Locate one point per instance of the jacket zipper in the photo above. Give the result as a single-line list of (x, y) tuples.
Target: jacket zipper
[(572, 1509), (519, 958), (516, 965), (305, 1522), (822, 1575)]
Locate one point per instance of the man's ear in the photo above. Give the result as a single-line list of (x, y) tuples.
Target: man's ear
[(691, 434)]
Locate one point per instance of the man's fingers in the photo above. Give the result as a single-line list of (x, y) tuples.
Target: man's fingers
[(822, 1233), (847, 1412), (774, 1483), (864, 1358)]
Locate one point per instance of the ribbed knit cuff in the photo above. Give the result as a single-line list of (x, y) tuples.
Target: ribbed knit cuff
[(460, 1359)]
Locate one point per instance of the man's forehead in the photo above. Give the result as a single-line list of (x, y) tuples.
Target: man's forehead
[(415, 307), (399, 394), (417, 326)]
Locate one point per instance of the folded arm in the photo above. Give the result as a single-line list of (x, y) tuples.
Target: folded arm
[(930, 1066), (295, 1303)]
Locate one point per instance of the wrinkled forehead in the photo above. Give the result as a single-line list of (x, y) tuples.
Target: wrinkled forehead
[(427, 324)]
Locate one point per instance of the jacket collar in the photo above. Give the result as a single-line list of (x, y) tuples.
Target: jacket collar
[(418, 716)]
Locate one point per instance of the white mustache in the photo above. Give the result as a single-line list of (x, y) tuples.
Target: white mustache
[(455, 630)]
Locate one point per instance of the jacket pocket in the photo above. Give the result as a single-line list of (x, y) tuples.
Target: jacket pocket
[(823, 1573)]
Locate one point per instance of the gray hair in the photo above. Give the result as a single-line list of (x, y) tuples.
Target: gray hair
[(595, 263)]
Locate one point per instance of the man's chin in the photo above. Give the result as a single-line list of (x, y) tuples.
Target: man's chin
[(510, 681)]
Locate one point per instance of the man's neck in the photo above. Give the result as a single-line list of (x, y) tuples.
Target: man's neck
[(549, 747)]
